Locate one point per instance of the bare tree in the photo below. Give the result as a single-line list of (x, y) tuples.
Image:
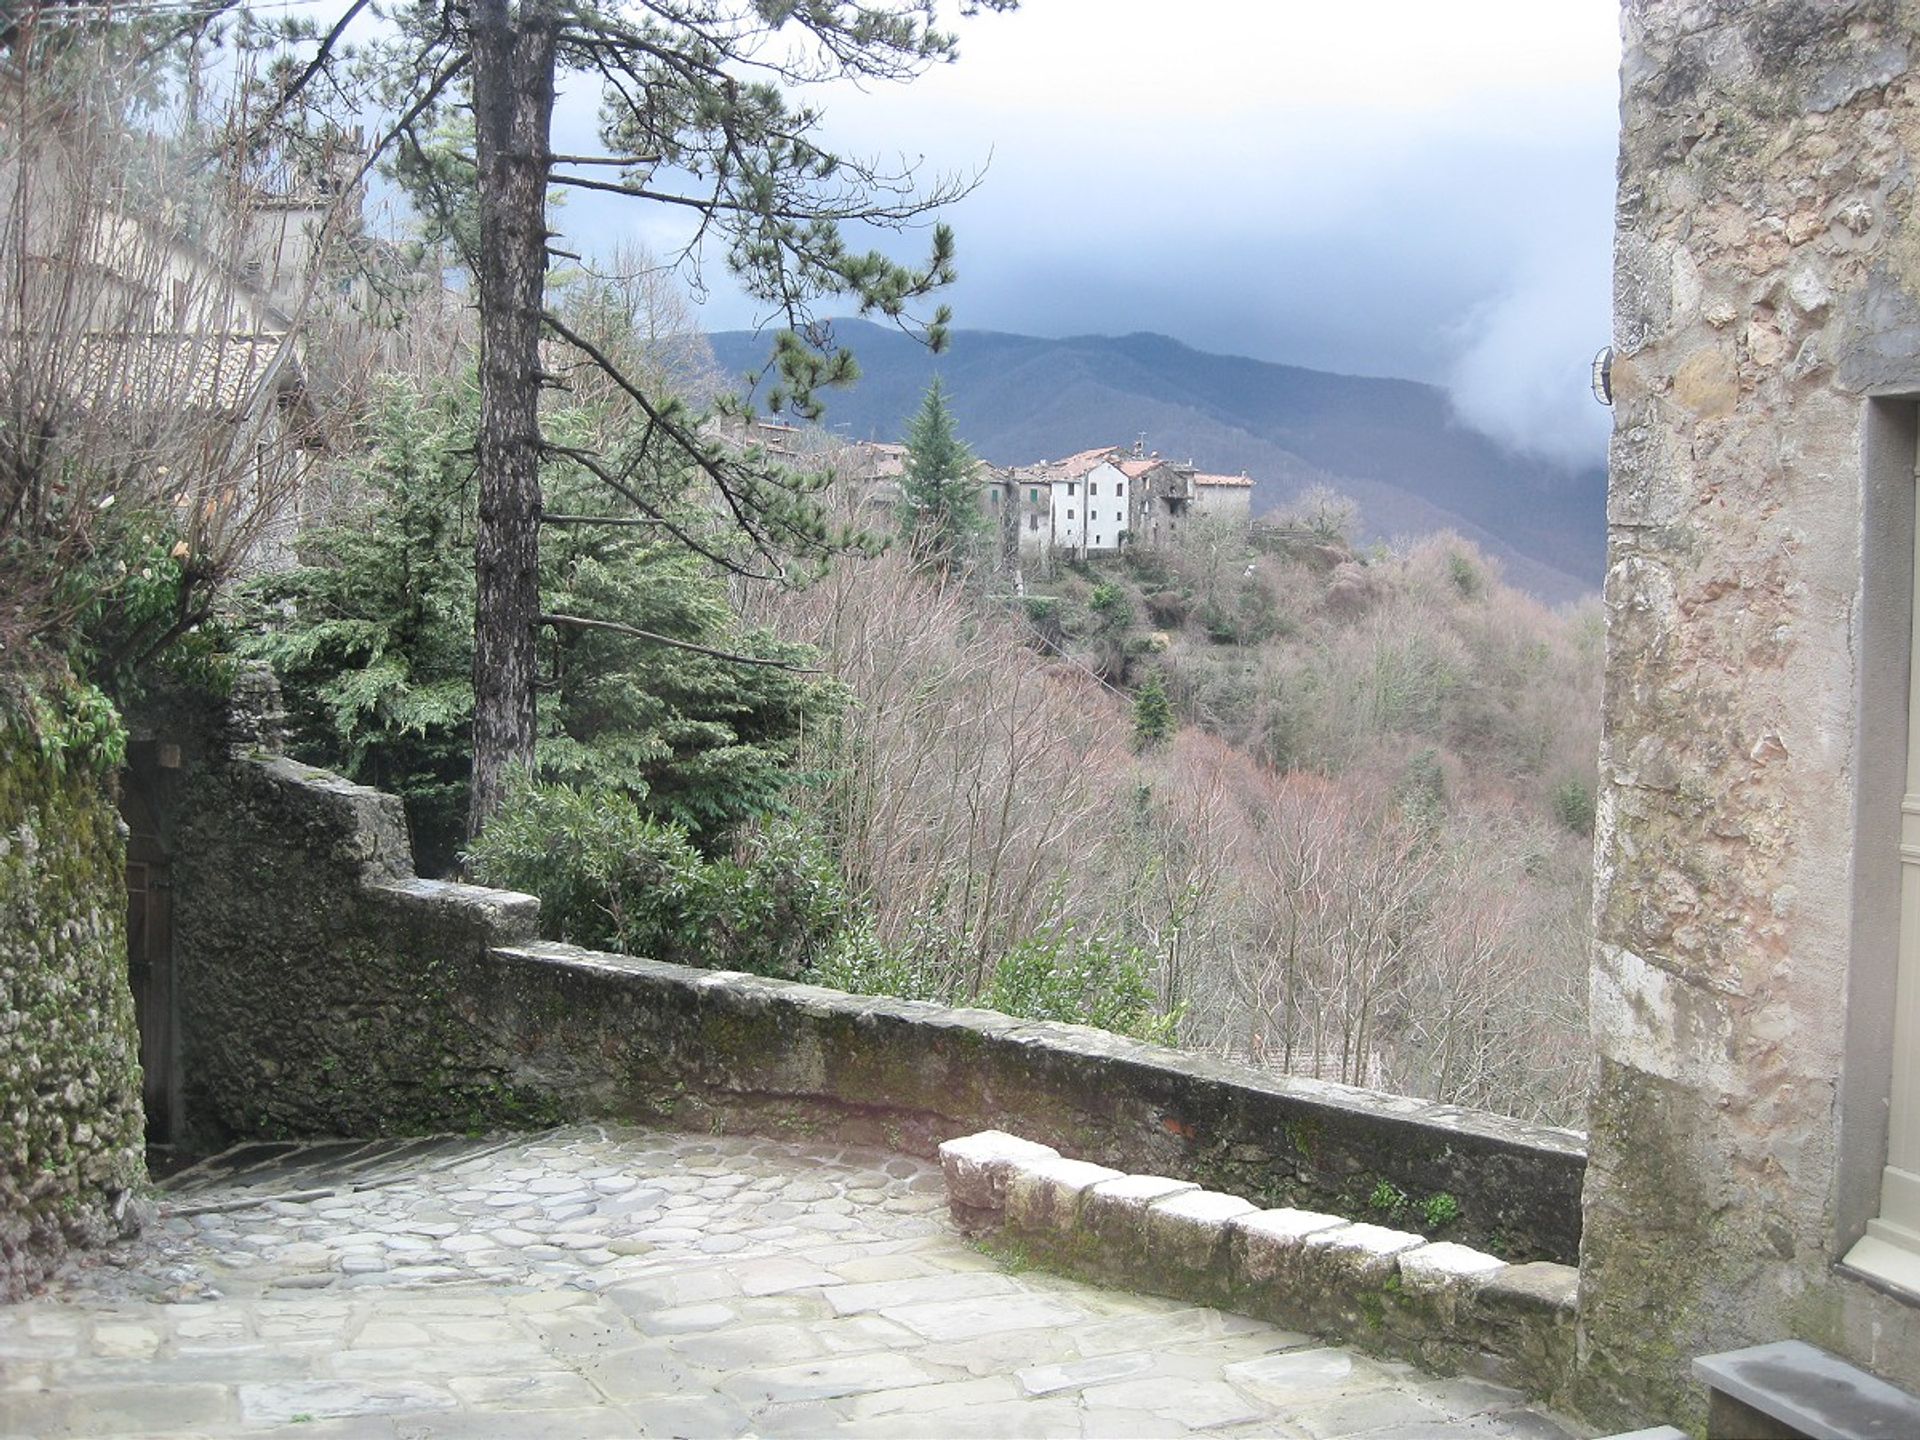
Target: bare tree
[(147, 382)]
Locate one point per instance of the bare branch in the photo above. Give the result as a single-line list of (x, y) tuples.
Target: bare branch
[(620, 160)]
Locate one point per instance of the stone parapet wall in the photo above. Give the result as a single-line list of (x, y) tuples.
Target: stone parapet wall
[(317, 978), (608, 1034), (71, 1156), (1444, 1305)]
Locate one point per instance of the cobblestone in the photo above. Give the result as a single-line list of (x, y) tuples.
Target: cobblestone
[(605, 1281)]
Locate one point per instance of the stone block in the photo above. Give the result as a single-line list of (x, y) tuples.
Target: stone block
[(1113, 1215), (1433, 1291), (1043, 1198), (1189, 1243), (1343, 1280), (1267, 1245), (1444, 1268), (1358, 1255), (1541, 1291), (976, 1168)]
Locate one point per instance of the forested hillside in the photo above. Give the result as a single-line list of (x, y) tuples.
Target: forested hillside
[(1355, 844), (1391, 444)]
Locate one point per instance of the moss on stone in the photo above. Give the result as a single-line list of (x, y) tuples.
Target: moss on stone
[(71, 1127)]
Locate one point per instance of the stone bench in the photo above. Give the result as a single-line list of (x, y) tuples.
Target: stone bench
[(1444, 1305), (1791, 1390)]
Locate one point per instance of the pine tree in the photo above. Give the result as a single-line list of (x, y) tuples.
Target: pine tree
[(698, 118), (1152, 715), (940, 490)]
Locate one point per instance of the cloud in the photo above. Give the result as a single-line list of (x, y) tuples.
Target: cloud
[(1423, 192), (1521, 372)]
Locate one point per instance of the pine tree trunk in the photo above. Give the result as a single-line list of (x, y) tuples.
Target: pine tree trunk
[(513, 79)]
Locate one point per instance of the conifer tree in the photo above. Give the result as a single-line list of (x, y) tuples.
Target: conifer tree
[(697, 118), (940, 489), (1152, 715)]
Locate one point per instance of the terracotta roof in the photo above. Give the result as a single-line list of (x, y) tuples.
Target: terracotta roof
[(1077, 465), (883, 461), (1134, 469), (222, 374), (1240, 480)]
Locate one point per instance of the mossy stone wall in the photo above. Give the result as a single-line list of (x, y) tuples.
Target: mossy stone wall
[(318, 982), (71, 1128)]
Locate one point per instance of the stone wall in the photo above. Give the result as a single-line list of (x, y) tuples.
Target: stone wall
[(323, 989), (70, 1119), (314, 974), (1439, 1303), (1767, 288), (614, 1035)]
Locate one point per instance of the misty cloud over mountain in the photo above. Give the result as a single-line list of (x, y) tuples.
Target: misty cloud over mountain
[(1414, 191)]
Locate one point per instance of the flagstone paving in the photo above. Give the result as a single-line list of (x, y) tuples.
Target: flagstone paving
[(599, 1281)]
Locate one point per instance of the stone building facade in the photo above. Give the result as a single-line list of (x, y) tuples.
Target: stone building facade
[(1758, 741)]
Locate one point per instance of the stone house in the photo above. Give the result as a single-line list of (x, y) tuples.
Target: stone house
[(1754, 1167), (161, 328), (1162, 496), (1224, 497)]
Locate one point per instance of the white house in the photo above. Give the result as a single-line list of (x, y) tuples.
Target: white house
[(1090, 504)]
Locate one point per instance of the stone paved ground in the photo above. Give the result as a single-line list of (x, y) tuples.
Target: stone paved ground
[(597, 1281)]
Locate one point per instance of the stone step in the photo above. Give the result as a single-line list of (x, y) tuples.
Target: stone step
[(1791, 1388)]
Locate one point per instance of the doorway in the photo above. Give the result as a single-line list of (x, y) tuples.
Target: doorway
[(150, 963)]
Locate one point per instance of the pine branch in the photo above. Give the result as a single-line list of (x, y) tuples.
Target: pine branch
[(551, 519), (581, 622), (689, 445), (603, 159), (291, 91)]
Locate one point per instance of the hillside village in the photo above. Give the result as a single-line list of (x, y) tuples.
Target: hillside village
[(1097, 502)]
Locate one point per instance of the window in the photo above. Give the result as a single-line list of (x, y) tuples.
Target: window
[(1069, 514), (1118, 516), (1070, 487), (1033, 496), (1033, 522), (993, 497), (1093, 487)]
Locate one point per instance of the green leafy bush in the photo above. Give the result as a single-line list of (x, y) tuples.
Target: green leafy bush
[(611, 878), (858, 961), (1387, 1198), (1057, 974), (1153, 720), (1464, 575), (1573, 805)]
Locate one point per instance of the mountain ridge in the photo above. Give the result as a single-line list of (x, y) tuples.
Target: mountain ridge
[(1394, 445)]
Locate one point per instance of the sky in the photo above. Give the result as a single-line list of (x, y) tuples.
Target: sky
[(1398, 187)]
